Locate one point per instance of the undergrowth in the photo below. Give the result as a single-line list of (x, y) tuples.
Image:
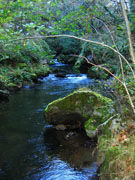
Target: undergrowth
[(17, 76), (117, 154)]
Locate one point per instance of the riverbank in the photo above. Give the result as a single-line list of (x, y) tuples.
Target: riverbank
[(116, 154), (13, 78)]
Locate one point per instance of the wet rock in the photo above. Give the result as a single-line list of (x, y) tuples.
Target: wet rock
[(56, 70), (4, 94), (13, 87), (100, 74), (60, 75), (39, 81), (116, 125), (81, 109), (44, 62), (2, 84), (60, 127), (70, 134)]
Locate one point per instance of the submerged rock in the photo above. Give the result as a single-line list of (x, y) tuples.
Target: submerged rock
[(81, 109), (60, 127)]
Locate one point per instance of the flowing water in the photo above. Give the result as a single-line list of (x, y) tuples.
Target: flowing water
[(29, 149)]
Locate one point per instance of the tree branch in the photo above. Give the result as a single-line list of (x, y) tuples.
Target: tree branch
[(131, 49), (107, 70), (75, 37)]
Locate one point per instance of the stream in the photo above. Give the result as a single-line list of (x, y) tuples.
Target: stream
[(30, 149)]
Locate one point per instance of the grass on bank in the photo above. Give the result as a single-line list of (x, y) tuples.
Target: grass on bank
[(117, 154)]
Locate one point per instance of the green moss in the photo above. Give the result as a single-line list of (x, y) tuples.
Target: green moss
[(88, 123), (68, 102), (81, 96), (114, 157), (93, 109)]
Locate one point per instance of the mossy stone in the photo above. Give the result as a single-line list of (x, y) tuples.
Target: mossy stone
[(83, 108)]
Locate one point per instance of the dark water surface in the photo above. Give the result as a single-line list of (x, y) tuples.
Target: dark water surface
[(26, 153)]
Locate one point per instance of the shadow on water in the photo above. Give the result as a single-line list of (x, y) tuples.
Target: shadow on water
[(74, 148), (29, 149)]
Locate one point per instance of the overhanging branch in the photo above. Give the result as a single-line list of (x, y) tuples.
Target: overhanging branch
[(75, 37)]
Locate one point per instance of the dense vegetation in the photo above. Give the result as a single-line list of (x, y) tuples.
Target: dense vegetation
[(93, 20), (24, 49)]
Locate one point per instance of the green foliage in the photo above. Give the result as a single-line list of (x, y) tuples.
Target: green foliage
[(83, 18), (117, 156), (122, 104), (22, 18), (97, 73), (24, 51), (17, 20), (16, 76)]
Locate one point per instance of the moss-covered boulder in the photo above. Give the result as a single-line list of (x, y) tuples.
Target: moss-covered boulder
[(83, 108)]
